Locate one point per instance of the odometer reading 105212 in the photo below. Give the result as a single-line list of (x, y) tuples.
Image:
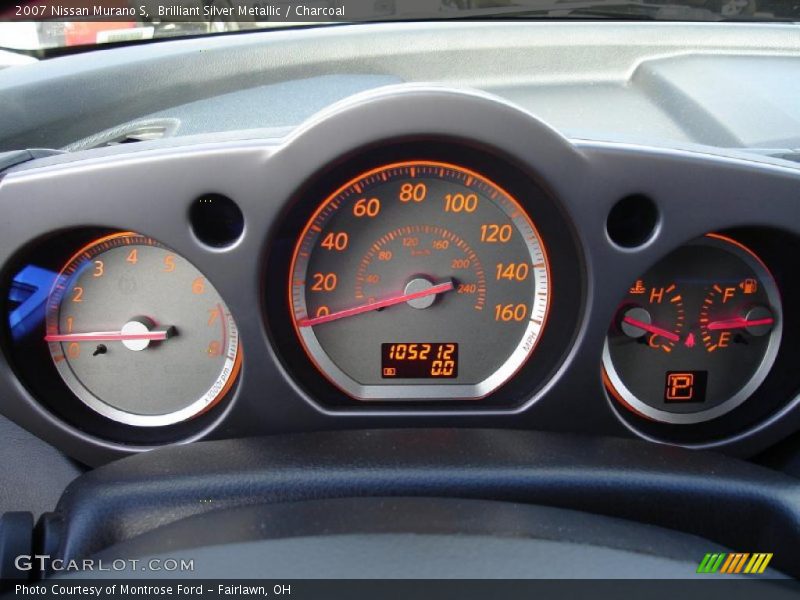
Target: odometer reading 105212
[(419, 361), (419, 250)]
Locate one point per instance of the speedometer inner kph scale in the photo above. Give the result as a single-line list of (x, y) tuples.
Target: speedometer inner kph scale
[(419, 280)]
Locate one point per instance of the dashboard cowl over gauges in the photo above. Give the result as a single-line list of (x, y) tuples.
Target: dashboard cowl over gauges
[(559, 193)]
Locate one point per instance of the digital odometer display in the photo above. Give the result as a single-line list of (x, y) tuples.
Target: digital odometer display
[(419, 361), (419, 250)]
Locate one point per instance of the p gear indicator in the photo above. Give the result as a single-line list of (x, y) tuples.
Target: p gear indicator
[(695, 335), (685, 386)]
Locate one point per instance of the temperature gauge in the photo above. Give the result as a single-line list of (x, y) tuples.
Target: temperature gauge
[(654, 314), (696, 335)]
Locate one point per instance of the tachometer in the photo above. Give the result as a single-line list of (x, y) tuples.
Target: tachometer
[(138, 334), (419, 280)]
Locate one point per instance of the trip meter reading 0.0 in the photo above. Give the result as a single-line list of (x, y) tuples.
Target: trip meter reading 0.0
[(696, 335), (422, 259)]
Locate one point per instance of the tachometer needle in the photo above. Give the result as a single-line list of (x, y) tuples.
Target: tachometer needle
[(391, 301), (108, 336), (738, 323), (651, 328)]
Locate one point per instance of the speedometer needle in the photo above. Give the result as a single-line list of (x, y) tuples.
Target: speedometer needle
[(651, 329), (739, 323), (369, 306), (108, 336)]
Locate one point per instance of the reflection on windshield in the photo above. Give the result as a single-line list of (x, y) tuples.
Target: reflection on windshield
[(42, 24)]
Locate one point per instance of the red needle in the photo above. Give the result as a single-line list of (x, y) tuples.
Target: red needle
[(651, 328), (357, 310), (739, 323), (107, 336)]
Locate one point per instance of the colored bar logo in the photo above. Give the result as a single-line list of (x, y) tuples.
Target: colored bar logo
[(735, 562)]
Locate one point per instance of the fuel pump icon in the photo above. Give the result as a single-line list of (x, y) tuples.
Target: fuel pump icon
[(749, 286)]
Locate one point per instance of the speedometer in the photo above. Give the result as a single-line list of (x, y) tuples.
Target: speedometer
[(419, 280)]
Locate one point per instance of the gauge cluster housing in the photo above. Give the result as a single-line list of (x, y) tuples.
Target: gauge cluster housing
[(275, 183)]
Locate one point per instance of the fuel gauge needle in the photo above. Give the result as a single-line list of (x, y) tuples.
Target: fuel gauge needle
[(739, 323), (651, 328)]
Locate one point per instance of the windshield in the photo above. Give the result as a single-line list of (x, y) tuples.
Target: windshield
[(45, 24)]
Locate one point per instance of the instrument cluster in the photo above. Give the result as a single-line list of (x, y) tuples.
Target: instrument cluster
[(425, 278)]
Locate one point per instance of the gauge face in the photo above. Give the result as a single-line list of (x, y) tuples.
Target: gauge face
[(696, 335), (138, 334), (419, 280)]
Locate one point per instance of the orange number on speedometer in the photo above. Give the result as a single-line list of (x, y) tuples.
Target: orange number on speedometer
[(413, 191), (335, 241), (492, 233), (324, 282), (367, 208), (512, 271), (510, 312), (460, 203)]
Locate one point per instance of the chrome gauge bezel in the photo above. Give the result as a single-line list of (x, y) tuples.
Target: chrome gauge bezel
[(526, 345)]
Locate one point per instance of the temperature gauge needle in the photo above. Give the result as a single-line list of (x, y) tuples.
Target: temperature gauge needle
[(651, 328), (391, 301), (739, 323)]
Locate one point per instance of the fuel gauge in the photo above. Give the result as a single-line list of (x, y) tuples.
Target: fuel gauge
[(734, 314), (696, 335)]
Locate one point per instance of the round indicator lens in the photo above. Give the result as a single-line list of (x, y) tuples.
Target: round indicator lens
[(696, 335), (419, 280), (138, 334)]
